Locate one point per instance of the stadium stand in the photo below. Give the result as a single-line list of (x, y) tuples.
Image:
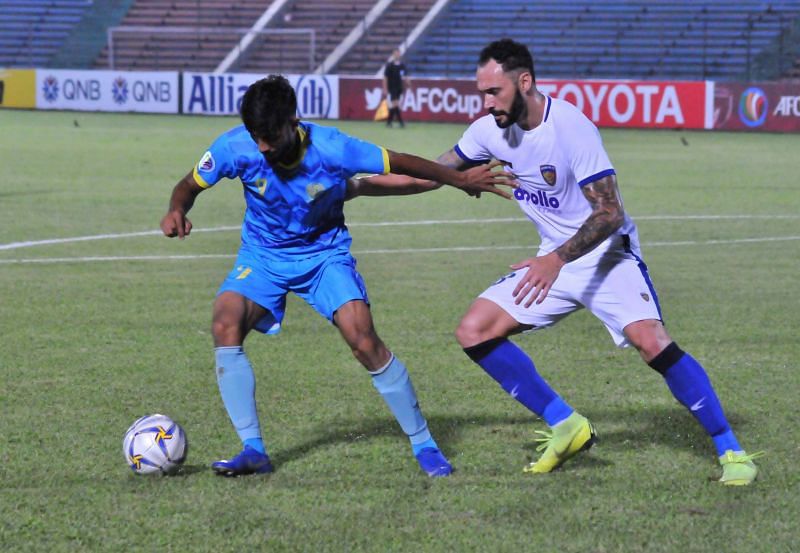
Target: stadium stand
[(192, 47), (677, 39), (186, 44), (332, 20), (386, 34), (33, 31)]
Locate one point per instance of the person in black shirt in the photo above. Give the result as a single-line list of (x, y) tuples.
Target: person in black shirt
[(395, 82)]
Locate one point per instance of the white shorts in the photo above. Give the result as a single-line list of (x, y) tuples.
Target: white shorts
[(615, 288)]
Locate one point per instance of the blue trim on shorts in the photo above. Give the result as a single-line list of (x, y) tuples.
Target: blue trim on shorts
[(626, 242)]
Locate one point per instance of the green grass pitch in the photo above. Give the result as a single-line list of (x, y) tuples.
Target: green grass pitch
[(89, 344)]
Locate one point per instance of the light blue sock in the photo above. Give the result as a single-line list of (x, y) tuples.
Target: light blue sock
[(394, 384), (237, 386)]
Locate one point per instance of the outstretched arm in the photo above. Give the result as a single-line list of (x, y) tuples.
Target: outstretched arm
[(387, 185), (175, 222), (473, 181)]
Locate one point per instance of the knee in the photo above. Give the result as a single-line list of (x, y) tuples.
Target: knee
[(469, 332), (226, 330), (649, 347), (649, 338), (364, 344)]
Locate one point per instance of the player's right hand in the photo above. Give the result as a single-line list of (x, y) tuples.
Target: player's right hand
[(483, 178), (175, 223)]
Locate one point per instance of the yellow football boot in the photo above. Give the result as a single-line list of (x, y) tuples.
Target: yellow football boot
[(738, 469), (572, 435)]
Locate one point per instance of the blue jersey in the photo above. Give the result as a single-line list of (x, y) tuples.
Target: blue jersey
[(301, 214)]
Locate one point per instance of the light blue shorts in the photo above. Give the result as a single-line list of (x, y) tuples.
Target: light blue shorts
[(325, 281)]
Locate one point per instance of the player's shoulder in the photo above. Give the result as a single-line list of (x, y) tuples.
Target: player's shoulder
[(236, 139), (567, 113), (484, 126), (321, 132)]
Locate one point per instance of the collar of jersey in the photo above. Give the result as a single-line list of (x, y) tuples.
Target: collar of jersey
[(301, 154)]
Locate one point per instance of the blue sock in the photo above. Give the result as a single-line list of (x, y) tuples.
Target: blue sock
[(237, 385), (515, 372), (394, 384), (689, 383)]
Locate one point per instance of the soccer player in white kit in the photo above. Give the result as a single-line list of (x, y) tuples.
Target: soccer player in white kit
[(589, 257)]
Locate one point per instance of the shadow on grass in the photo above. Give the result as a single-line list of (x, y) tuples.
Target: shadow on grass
[(672, 427)]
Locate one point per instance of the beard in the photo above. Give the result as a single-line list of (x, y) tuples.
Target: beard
[(518, 110)]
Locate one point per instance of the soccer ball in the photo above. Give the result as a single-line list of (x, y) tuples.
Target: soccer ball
[(154, 444)]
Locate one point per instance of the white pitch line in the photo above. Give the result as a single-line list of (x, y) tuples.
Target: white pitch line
[(89, 259), (51, 241)]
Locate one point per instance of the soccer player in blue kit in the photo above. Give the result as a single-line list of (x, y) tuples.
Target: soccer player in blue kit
[(296, 177), (589, 256)]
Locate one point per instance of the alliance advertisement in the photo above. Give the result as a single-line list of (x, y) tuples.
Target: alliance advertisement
[(221, 93)]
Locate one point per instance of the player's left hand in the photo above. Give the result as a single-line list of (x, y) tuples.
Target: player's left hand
[(536, 284), (483, 178)]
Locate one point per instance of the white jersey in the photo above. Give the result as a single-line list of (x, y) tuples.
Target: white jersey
[(551, 162)]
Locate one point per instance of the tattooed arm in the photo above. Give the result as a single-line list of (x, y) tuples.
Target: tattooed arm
[(607, 216)]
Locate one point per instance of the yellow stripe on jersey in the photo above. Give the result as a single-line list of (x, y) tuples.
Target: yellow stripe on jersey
[(301, 154), (201, 182), (386, 167)]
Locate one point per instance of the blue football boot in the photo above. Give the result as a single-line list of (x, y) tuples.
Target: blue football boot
[(433, 462), (249, 461)]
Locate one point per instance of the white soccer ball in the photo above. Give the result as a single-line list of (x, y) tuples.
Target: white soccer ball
[(154, 444)]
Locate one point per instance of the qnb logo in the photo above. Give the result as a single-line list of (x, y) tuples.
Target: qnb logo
[(753, 107), (538, 198), (119, 90), (314, 97), (50, 88)]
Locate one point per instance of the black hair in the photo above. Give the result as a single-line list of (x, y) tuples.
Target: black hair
[(510, 54), (267, 106)]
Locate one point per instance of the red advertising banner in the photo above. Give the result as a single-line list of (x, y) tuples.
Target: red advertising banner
[(442, 100), (644, 104), (757, 107)]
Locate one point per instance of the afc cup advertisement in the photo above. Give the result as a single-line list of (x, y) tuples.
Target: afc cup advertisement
[(757, 107)]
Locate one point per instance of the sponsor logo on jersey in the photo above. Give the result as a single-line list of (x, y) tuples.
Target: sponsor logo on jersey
[(753, 107), (645, 297), (119, 90), (314, 189), (548, 174), (50, 88), (206, 162), (538, 198)]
